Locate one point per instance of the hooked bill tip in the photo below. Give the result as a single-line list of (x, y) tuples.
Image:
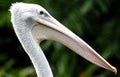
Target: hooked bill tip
[(115, 70)]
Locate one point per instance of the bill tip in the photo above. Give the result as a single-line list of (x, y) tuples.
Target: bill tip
[(115, 70)]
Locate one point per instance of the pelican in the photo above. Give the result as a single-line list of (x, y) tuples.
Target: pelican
[(33, 24)]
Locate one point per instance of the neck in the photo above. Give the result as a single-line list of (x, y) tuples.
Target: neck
[(35, 53)]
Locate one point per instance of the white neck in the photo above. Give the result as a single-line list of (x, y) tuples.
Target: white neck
[(35, 52)]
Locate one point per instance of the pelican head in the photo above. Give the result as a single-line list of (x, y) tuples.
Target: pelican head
[(33, 24)]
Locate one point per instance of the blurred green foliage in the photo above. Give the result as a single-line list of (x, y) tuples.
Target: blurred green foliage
[(95, 21)]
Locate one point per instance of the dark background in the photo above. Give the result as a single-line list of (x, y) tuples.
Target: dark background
[(95, 21)]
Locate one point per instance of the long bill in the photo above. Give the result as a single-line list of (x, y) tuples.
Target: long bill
[(51, 29)]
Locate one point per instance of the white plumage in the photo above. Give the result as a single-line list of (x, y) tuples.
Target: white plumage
[(32, 24)]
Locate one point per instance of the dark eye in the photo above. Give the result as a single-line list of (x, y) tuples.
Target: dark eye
[(41, 12)]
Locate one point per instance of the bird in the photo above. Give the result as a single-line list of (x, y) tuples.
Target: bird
[(33, 24)]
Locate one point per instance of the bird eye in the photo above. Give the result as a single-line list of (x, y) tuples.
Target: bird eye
[(41, 12)]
